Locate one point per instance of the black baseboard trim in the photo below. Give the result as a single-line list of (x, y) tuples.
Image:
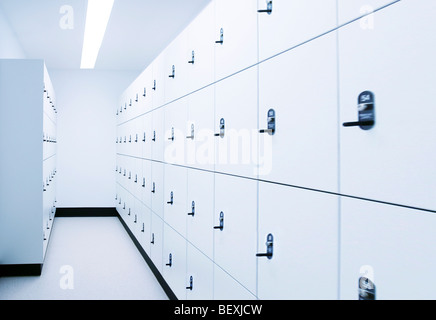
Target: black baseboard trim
[(85, 212), (20, 270), (150, 263)]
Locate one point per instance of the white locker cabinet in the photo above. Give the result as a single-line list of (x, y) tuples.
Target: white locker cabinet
[(199, 275), (297, 244), (156, 241), (175, 66), (146, 135), (235, 223), (146, 229), (174, 260), (228, 288), (158, 134), (200, 210), (235, 24), (144, 90), (175, 183), (176, 121), (392, 160), (236, 124), (200, 53), (391, 246), (156, 188), (296, 21), (28, 167), (158, 81), (300, 88), (145, 183), (350, 10), (200, 139)]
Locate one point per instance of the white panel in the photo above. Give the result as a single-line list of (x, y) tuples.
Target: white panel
[(301, 20), (158, 81), (156, 188), (238, 20), (175, 208), (144, 90), (145, 228), (392, 246), (227, 288), (236, 103), (158, 135), (174, 271), (350, 10), (301, 86), (200, 268), (147, 132), (200, 223), (235, 244), (156, 241), (176, 115), (200, 34), (394, 161), (304, 226)]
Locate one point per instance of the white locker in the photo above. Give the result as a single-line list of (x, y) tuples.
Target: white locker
[(200, 145), (175, 194), (199, 210), (174, 259), (158, 134), (236, 134), (145, 183), (143, 89), (176, 119), (235, 223), (158, 81), (392, 160), (228, 288), (156, 241), (175, 66), (391, 246), (350, 10), (300, 87), (297, 243), (199, 275), (156, 188), (284, 24), (145, 229), (200, 53), (146, 135), (235, 36)]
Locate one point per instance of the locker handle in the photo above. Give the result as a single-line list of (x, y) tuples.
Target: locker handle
[(221, 226), (193, 58), (171, 202), (143, 227), (170, 262), (359, 123), (268, 9), (269, 248), (270, 131), (152, 238), (191, 284)]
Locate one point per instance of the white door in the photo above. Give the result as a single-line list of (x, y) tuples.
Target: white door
[(156, 188), (300, 88), (228, 288), (235, 227), (297, 244), (199, 275), (235, 36), (284, 24), (200, 210), (156, 241), (350, 10), (393, 160), (236, 124), (158, 81), (200, 51), (391, 246), (176, 117), (157, 134)]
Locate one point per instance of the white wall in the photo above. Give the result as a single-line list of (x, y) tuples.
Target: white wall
[(86, 135), (10, 47)]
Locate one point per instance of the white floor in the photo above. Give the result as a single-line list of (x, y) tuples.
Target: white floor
[(87, 259)]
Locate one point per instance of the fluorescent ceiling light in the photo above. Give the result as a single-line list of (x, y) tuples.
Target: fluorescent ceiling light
[(97, 18)]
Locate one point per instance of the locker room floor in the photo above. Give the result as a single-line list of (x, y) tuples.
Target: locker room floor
[(100, 256)]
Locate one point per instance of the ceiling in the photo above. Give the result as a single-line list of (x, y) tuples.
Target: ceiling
[(137, 32)]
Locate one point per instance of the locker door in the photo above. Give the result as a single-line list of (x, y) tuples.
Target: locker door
[(200, 53), (158, 82), (176, 115), (200, 146), (200, 209), (175, 198), (393, 160), (158, 135), (156, 188), (227, 288), (391, 246), (236, 110), (350, 10), (146, 135), (235, 220), (300, 87), (145, 183), (156, 241), (144, 89), (300, 228), (174, 259), (175, 67), (235, 24), (145, 229), (136, 180), (296, 21), (199, 275), (136, 144)]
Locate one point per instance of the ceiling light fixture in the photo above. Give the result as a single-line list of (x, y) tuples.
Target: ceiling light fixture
[(97, 18)]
